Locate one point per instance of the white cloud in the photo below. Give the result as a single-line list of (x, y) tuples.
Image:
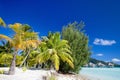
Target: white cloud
[(115, 60), (103, 42), (99, 54)]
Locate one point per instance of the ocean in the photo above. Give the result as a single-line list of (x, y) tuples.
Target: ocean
[(102, 73)]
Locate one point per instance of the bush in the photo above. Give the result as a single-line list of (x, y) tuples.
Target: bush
[(52, 77), (24, 69), (1, 71), (78, 42)]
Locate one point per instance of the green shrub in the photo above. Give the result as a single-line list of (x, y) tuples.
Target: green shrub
[(78, 41), (24, 69), (1, 71), (52, 77)]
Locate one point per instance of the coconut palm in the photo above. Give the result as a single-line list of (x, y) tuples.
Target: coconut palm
[(28, 49), (20, 41), (55, 49), (31, 58)]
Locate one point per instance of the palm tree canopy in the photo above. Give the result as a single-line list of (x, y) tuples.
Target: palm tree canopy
[(55, 50), (22, 38), (4, 37)]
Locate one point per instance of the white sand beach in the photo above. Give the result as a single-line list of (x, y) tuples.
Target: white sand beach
[(37, 75)]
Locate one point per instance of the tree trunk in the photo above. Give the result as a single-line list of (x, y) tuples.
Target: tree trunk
[(13, 65), (25, 58)]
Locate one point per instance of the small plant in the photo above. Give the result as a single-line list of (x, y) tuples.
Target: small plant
[(24, 69), (1, 71), (52, 77)]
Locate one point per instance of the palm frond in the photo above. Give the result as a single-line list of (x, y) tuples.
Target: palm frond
[(68, 51), (70, 63), (63, 43), (43, 57), (56, 61), (6, 38), (16, 27), (66, 57), (26, 28), (29, 35), (2, 23)]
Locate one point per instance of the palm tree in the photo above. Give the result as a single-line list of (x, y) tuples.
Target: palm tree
[(55, 49), (30, 60), (20, 41), (28, 49)]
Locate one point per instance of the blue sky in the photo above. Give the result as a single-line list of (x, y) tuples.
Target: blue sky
[(101, 18)]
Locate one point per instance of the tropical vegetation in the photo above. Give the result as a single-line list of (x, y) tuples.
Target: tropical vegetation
[(20, 41), (54, 50), (26, 49), (78, 41)]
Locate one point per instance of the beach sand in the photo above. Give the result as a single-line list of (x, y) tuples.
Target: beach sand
[(38, 75)]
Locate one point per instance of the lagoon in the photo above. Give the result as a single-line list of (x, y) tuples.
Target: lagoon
[(102, 73)]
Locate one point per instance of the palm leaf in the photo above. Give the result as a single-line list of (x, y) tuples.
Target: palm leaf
[(56, 60), (43, 57), (30, 35), (63, 43), (66, 57), (6, 38), (65, 50), (2, 23), (26, 28), (16, 27)]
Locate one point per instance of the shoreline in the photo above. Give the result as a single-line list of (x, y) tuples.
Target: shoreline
[(39, 74)]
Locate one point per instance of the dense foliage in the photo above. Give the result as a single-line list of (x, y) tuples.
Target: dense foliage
[(21, 40), (66, 54), (53, 50), (78, 42), (6, 55)]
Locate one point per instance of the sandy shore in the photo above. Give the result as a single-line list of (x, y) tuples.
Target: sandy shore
[(38, 75)]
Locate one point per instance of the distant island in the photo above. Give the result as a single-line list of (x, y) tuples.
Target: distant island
[(98, 63)]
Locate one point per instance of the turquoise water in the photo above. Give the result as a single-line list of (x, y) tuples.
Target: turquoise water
[(102, 73)]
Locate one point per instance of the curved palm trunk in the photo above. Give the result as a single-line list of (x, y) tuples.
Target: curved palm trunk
[(13, 65), (25, 58)]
